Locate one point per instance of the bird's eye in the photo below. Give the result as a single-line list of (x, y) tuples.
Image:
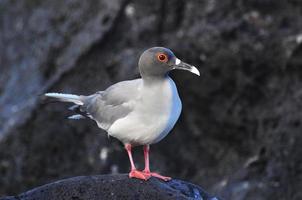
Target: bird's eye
[(162, 57)]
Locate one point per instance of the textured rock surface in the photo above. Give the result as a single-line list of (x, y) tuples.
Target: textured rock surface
[(114, 187), (41, 40), (239, 134)]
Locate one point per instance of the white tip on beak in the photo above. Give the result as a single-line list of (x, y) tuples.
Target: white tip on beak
[(184, 66), (194, 70), (177, 61)]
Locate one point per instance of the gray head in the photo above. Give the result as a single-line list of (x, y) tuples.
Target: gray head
[(158, 61)]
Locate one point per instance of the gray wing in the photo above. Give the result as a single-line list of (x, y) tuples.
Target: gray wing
[(105, 107)]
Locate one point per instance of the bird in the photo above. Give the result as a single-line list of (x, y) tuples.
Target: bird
[(138, 112)]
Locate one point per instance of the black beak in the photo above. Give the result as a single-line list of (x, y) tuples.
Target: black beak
[(185, 66)]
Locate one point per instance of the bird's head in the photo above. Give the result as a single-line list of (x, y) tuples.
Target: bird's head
[(158, 61)]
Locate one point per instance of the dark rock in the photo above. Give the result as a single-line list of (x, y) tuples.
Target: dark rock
[(114, 187), (41, 44)]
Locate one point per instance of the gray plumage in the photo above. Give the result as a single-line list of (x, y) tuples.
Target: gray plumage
[(107, 106)]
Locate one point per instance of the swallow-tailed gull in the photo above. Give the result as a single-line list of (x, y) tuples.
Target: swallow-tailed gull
[(136, 112)]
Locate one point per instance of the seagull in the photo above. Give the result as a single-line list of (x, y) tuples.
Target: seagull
[(137, 112)]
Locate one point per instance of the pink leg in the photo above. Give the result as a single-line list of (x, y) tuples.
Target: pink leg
[(134, 173), (147, 166)]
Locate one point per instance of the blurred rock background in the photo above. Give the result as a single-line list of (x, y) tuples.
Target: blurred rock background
[(239, 135)]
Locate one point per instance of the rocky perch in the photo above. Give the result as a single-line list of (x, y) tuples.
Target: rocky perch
[(114, 187)]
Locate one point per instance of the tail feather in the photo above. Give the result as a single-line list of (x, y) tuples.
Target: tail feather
[(66, 97), (76, 117)]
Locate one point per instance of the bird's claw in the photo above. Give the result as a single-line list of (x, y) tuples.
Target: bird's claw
[(139, 175), (156, 175)]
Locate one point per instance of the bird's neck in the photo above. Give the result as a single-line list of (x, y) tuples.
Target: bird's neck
[(150, 80)]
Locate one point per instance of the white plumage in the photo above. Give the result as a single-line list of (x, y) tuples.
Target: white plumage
[(66, 97), (151, 117)]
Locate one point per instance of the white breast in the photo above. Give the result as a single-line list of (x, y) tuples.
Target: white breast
[(154, 114)]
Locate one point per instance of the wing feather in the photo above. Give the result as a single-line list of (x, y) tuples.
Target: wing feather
[(105, 107)]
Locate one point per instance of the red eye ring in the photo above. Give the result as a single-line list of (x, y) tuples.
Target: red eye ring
[(162, 57)]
